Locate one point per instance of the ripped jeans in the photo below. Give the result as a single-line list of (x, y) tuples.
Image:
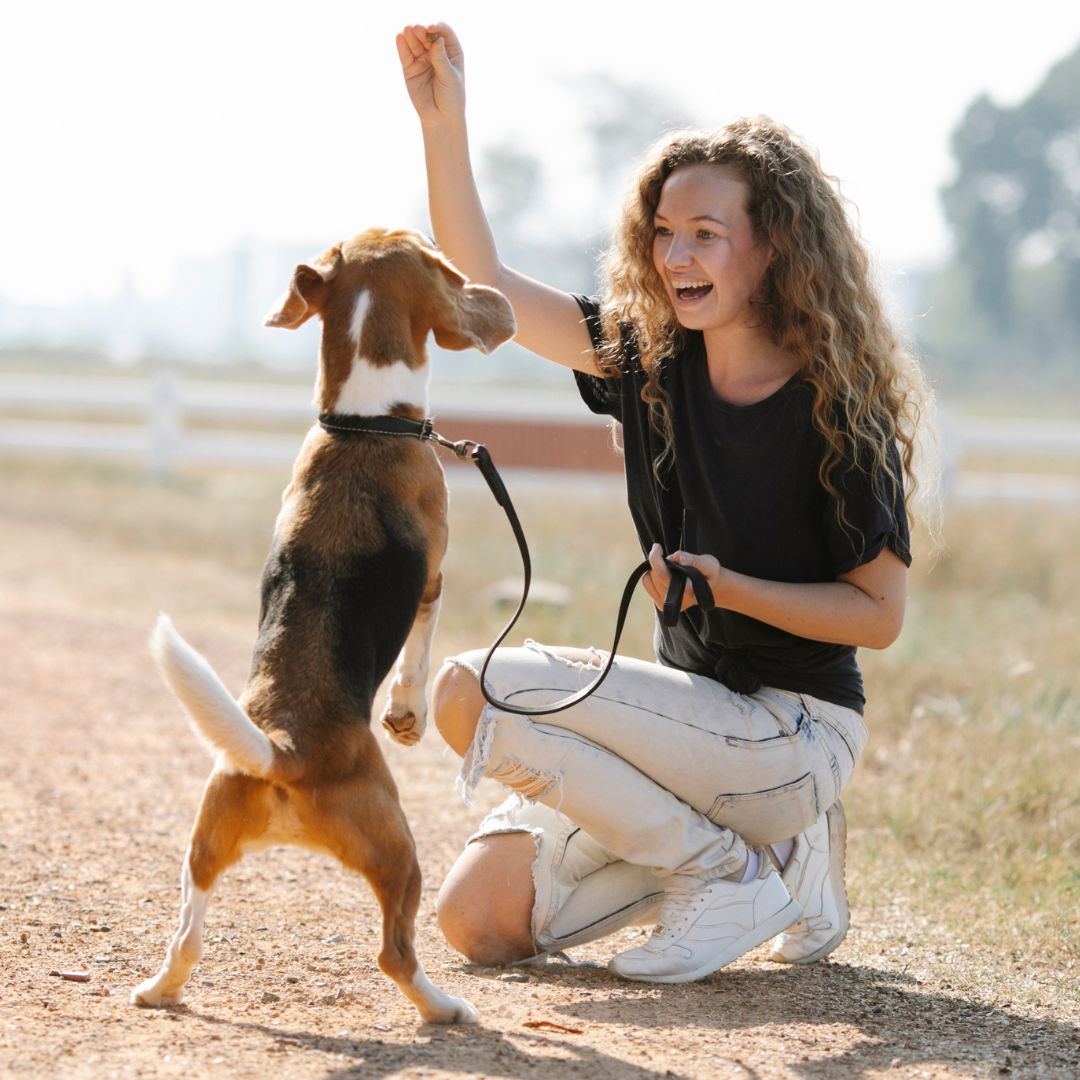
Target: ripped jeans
[(661, 773)]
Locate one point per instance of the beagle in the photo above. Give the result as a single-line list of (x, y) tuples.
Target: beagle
[(351, 582)]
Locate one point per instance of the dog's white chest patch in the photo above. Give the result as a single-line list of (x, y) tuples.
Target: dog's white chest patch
[(369, 390)]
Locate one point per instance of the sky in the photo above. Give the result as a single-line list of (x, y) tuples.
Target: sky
[(137, 133)]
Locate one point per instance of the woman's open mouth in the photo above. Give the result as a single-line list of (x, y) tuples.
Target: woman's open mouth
[(692, 290)]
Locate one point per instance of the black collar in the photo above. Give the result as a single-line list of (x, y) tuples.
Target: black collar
[(346, 424)]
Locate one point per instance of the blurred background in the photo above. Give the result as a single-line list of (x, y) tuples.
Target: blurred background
[(168, 164)]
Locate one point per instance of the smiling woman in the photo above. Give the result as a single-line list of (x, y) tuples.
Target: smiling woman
[(768, 423), (701, 223)]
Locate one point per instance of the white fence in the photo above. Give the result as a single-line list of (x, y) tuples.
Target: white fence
[(151, 420), (166, 421), (145, 419)]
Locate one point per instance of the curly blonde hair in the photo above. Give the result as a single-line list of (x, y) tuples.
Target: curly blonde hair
[(817, 299)]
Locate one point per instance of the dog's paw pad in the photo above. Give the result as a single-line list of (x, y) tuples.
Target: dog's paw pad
[(403, 728)]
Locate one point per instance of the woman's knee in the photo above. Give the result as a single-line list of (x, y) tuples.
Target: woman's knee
[(485, 904), (456, 704)]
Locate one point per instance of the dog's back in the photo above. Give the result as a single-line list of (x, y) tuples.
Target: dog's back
[(341, 586), (362, 531)]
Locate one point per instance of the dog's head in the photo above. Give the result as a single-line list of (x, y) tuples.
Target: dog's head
[(379, 296)]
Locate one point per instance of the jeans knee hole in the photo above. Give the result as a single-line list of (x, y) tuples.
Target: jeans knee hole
[(529, 783)]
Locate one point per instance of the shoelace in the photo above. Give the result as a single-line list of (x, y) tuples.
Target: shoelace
[(677, 909)]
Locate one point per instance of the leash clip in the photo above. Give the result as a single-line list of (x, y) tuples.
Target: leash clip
[(464, 449)]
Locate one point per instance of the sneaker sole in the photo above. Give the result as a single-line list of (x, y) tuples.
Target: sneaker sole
[(837, 834), (768, 929)]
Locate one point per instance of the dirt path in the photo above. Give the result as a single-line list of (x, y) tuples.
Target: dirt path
[(100, 780)]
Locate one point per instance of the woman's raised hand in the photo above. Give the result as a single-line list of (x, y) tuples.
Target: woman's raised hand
[(433, 64)]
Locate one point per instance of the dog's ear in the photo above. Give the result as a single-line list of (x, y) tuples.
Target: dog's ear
[(306, 294), (468, 316)]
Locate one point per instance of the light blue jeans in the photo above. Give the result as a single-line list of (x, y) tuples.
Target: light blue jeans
[(660, 772)]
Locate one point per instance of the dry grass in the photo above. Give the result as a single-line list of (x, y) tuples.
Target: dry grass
[(965, 812), (969, 796)]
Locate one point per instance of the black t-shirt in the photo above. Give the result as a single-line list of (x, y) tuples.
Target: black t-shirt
[(744, 488)]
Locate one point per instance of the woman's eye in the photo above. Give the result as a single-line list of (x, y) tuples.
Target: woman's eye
[(662, 230), (704, 234)]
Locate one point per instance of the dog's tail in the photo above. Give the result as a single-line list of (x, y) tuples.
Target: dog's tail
[(214, 713)]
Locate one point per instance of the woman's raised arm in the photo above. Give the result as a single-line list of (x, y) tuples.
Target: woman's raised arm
[(549, 321)]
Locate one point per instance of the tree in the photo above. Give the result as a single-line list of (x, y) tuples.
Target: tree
[(1016, 197)]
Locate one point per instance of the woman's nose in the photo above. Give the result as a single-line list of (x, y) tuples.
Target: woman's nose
[(677, 254)]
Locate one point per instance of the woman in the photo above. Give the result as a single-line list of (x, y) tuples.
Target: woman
[(767, 416)]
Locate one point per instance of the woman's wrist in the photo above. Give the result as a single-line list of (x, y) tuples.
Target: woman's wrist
[(721, 582), (441, 129)]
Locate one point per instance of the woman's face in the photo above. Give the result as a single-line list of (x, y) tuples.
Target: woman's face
[(704, 248)]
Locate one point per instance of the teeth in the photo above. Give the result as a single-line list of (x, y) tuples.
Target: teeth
[(691, 284)]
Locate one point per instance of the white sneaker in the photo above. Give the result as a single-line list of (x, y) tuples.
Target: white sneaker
[(814, 875), (707, 924)]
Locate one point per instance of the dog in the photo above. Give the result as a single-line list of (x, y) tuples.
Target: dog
[(351, 582)]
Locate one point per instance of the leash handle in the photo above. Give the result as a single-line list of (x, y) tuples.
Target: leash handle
[(680, 575), (672, 602)]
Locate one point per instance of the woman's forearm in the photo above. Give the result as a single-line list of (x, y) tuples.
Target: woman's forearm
[(837, 612), (864, 607), (548, 320), (433, 65), (457, 215)]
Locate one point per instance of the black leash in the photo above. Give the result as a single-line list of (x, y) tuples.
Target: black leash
[(467, 450)]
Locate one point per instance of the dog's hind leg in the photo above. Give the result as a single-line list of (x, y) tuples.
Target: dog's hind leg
[(405, 714), (166, 988), (234, 809), (362, 823)]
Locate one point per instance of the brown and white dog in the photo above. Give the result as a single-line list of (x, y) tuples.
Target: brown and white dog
[(351, 582)]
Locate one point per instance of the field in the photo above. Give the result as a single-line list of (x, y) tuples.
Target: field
[(964, 845)]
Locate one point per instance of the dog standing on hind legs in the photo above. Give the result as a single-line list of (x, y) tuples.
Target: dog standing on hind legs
[(351, 582)]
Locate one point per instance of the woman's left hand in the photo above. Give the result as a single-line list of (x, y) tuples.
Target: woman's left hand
[(657, 579)]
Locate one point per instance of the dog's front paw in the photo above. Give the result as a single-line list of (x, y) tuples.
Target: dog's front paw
[(405, 726)]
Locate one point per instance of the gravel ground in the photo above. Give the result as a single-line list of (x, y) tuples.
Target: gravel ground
[(100, 781)]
